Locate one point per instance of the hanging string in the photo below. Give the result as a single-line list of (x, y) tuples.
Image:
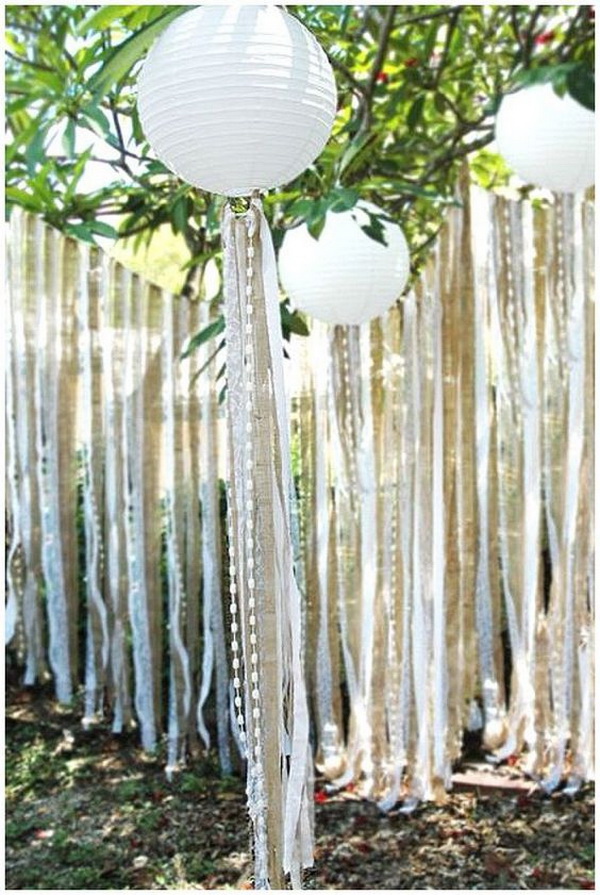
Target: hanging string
[(327, 730), (180, 685), (392, 603), (563, 597), (113, 382), (13, 613), (97, 645), (214, 653), (188, 499), (48, 384), (27, 249), (135, 523), (505, 342), (494, 723)]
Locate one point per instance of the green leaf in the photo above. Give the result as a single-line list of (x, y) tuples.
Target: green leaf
[(342, 199), (581, 86), (125, 55), (34, 152), (13, 44), (415, 112), (545, 74), (430, 39), (301, 208), (20, 197), (439, 101), (17, 105), (209, 332), (78, 169), (101, 18), (179, 215), (68, 139), (97, 117), (156, 167), (50, 79), (374, 229), (103, 229), (356, 151), (315, 226), (291, 321), (80, 231)]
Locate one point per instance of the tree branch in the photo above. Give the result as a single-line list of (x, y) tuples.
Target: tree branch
[(427, 16), (358, 88), (123, 151), (454, 152), (23, 60), (369, 90), (449, 33)]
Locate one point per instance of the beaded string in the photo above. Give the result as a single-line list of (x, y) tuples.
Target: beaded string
[(18, 578), (250, 379), (300, 508), (349, 416), (234, 627), (393, 630), (561, 296)]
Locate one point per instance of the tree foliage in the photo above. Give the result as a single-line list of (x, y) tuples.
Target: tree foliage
[(418, 87)]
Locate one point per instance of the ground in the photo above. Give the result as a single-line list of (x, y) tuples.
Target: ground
[(91, 810)]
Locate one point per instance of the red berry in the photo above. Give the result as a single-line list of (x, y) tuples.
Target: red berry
[(545, 38), (382, 78), (411, 63)]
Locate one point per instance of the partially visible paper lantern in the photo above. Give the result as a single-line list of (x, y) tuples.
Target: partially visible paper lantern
[(237, 98), (344, 277), (548, 140)]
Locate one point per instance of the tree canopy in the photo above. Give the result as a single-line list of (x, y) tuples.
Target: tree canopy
[(418, 87)]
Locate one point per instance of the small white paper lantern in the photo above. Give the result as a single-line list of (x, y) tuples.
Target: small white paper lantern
[(344, 277), (548, 140), (237, 98)]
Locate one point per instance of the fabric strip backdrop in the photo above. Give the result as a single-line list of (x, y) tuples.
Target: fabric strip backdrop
[(443, 529)]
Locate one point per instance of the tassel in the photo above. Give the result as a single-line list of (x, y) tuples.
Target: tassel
[(276, 710)]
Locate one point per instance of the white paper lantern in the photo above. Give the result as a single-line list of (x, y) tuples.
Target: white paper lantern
[(344, 277), (548, 140), (237, 98)]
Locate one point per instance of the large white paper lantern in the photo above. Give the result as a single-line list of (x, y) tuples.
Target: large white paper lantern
[(548, 140), (237, 98), (344, 277)]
